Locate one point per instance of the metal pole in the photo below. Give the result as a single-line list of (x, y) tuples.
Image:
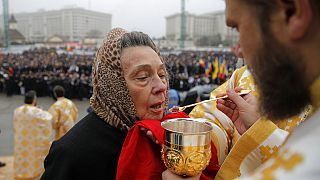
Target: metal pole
[(183, 24), (6, 23)]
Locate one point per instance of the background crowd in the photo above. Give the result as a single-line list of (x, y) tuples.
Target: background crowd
[(41, 69)]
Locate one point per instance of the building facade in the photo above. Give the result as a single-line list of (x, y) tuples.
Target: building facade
[(71, 24), (220, 27), (211, 24), (173, 23)]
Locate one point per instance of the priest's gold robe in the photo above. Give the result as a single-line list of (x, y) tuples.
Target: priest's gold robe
[(241, 155), (32, 128), (299, 157), (65, 114)]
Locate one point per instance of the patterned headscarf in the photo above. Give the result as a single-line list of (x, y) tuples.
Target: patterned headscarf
[(111, 100)]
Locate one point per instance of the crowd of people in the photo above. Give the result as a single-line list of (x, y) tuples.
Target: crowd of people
[(192, 68), (42, 69)]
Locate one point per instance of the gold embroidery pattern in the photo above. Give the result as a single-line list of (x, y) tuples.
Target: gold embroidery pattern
[(32, 131), (197, 113), (246, 82), (284, 161), (238, 173), (64, 113), (291, 123), (267, 152)]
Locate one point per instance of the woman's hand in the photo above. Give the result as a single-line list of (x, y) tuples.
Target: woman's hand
[(168, 175), (241, 110), (174, 109), (149, 135)]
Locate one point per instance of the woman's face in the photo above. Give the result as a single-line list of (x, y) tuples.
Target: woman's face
[(145, 76)]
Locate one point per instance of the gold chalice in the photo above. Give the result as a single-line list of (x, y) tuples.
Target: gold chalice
[(186, 150)]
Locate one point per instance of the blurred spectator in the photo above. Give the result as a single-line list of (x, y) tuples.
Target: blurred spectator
[(64, 113), (174, 98)]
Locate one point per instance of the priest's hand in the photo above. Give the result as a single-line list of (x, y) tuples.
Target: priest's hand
[(168, 175), (149, 134), (243, 111)]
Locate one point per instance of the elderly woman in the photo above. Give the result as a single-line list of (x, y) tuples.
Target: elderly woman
[(129, 84)]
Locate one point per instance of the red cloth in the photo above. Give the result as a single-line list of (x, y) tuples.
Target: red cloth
[(140, 158)]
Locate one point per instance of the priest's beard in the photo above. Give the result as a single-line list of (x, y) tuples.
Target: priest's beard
[(280, 76)]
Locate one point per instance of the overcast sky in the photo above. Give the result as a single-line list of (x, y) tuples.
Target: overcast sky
[(143, 15)]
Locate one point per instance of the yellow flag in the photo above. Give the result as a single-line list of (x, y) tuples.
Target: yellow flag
[(223, 67), (216, 68)]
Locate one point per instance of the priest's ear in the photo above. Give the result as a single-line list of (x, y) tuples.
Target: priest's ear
[(298, 16)]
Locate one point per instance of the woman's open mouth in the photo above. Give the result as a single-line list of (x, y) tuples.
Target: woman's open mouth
[(157, 108)]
